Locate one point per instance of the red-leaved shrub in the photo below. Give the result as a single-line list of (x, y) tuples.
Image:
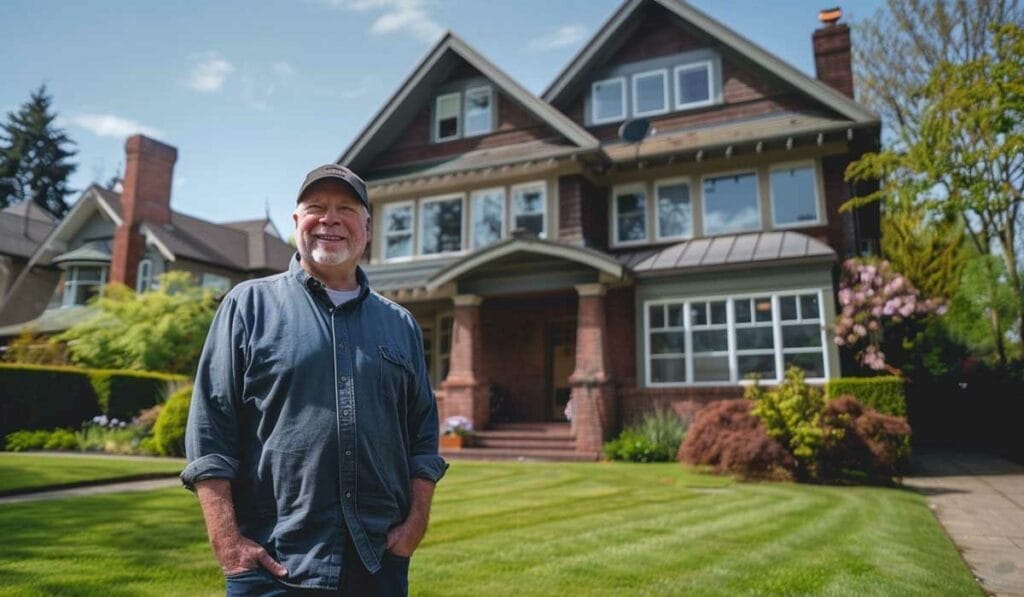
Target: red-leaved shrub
[(861, 443), (726, 436)]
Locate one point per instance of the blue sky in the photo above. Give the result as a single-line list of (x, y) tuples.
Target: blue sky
[(256, 93)]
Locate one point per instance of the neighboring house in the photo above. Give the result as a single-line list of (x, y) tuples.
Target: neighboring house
[(545, 258), (131, 237), (23, 227)]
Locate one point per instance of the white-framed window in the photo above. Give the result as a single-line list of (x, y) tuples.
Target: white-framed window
[(727, 339), (673, 209), (608, 100), (397, 227), (217, 283), (794, 195), (82, 283), (487, 207), (479, 108), (731, 203), (441, 224), (693, 85), (650, 93), (446, 116), (629, 214), (144, 276), (529, 208)]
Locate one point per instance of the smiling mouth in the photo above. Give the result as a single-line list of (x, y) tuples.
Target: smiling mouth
[(329, 238)]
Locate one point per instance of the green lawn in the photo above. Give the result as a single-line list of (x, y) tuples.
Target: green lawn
[(23, 471), (535, 529)]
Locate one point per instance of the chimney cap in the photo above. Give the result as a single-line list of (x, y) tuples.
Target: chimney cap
[(830, 16)]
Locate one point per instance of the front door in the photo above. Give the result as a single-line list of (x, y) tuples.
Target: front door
[(561, 353)]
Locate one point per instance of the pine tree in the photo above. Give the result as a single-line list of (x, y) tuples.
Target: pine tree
[(34, 156)]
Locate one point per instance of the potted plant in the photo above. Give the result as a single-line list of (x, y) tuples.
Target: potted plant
[(458, 431)]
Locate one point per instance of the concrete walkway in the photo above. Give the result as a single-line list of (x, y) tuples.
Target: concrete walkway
[(147, 485), (979, 500)]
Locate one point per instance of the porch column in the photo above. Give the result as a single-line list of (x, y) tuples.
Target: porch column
[(593, 408), (467, 393)]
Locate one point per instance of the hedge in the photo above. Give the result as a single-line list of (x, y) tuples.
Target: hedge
[(885, 394), (46, 397)]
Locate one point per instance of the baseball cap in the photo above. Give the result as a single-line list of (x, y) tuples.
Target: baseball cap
[(340, 173)]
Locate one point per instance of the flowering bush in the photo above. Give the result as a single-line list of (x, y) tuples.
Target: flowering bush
[(458, 425), (871, 295), (113, 436)]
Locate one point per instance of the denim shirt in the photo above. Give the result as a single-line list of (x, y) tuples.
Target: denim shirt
[(319, 415)]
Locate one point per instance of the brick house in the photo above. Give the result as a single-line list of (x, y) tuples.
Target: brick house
[(130, 236), (548, 259)]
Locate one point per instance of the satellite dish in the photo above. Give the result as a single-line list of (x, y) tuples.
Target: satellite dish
[(634, 131)]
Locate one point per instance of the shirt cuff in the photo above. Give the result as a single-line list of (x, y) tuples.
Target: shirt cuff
[(428, 466), (211, 466)]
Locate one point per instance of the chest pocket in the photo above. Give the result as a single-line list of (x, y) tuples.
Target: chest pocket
[(395, 373)]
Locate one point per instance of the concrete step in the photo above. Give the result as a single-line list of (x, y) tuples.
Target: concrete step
[(488, 441), (515, 434), (519, 454)]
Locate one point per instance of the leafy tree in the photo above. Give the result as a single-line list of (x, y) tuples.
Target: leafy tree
[(931, 252), (982, 313), (160, 330), (34, 162)]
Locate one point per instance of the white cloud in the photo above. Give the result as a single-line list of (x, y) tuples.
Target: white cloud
[(209, 72), (398, 16), (108, 125), (566, 35)]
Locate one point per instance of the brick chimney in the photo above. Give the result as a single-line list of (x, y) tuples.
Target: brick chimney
[(832, 51), (146, 197)]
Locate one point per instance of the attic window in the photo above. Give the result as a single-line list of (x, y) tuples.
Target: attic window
[(608, 100), (446, 117), (478, 111), (693, 85)]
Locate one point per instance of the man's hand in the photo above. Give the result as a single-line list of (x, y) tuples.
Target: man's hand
[(239, 554), (404, 538), (234, 552)]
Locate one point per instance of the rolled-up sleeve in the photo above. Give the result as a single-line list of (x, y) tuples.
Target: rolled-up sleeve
[(425, 461), (211, 435)]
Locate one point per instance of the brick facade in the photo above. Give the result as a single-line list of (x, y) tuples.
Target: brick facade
[(832, 60)]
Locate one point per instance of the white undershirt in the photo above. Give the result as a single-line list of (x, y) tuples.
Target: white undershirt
[(340, 297)]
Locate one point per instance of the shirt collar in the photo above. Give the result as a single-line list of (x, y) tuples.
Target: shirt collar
[(316, 287)]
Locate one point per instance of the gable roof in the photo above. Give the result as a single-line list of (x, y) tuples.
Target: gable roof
[(20, 235), (417, 87), (602, 44)]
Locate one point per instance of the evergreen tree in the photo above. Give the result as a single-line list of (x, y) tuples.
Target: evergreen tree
[(34, 156)]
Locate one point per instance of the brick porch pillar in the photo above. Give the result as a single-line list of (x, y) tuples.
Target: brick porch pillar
[(593, 412), (467, 393)]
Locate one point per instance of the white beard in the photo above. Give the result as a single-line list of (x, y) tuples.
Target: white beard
[(325, 257)]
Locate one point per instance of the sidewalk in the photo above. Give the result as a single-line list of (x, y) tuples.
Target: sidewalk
[(979, 499), (115, 487)]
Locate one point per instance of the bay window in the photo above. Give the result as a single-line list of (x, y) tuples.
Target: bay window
[(82, 283)]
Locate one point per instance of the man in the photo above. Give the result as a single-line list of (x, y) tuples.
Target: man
[(312, 436)]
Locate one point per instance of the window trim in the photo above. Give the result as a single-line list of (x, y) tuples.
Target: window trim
[(679, 105), (139, 289), (614, 204), (435, 132), (775, 295), (667, 103), (756, 171), (504, 214), (543, 185), (593, 102), (462, 230), (667, 182), (72, 282), (818, 207), (490, 110), (385, 209)]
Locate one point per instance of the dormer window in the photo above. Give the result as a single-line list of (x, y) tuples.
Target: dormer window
[(650, 93), (693, 85), (478, 111), (609, 100), (464, 109), (446, 117)]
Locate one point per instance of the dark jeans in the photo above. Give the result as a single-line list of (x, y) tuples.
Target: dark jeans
[(392, 580)]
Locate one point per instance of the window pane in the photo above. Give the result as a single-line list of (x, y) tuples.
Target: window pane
[(711, 368), (675, 214), (608, 100), (398, 245), (799, 336), (693, 85), (675, 316), (752, 338), (761, 364), (441, 229), (478, 111), (787, 306), (809, 306), (742, 310), (88, 274), (632, 216), (718, 312), (730, 203), (657, 316), (793, 195), (488, 218), (447, 116), (650, 93), (668, 370), (398, 219), (699, 313), (528, 207), (812, 363), (668, 342), (710, 340), (763, 308)]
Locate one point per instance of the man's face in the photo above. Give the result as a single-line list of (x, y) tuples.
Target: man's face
[(332, 228)]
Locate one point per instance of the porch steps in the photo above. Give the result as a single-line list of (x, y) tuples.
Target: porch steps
[(524, 441)]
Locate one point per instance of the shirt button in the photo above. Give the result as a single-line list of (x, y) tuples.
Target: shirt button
[(345, 412), (344, 379), (348, 452), (348, 494)]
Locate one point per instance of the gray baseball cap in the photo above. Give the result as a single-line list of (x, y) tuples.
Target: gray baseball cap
[(340, 173)]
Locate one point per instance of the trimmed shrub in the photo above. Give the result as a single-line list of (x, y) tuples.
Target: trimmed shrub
[(885, 394), (169, 430), (791, 414), (861, 443), (135, 391), (61, 439), (655, 438), (726, 436)]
